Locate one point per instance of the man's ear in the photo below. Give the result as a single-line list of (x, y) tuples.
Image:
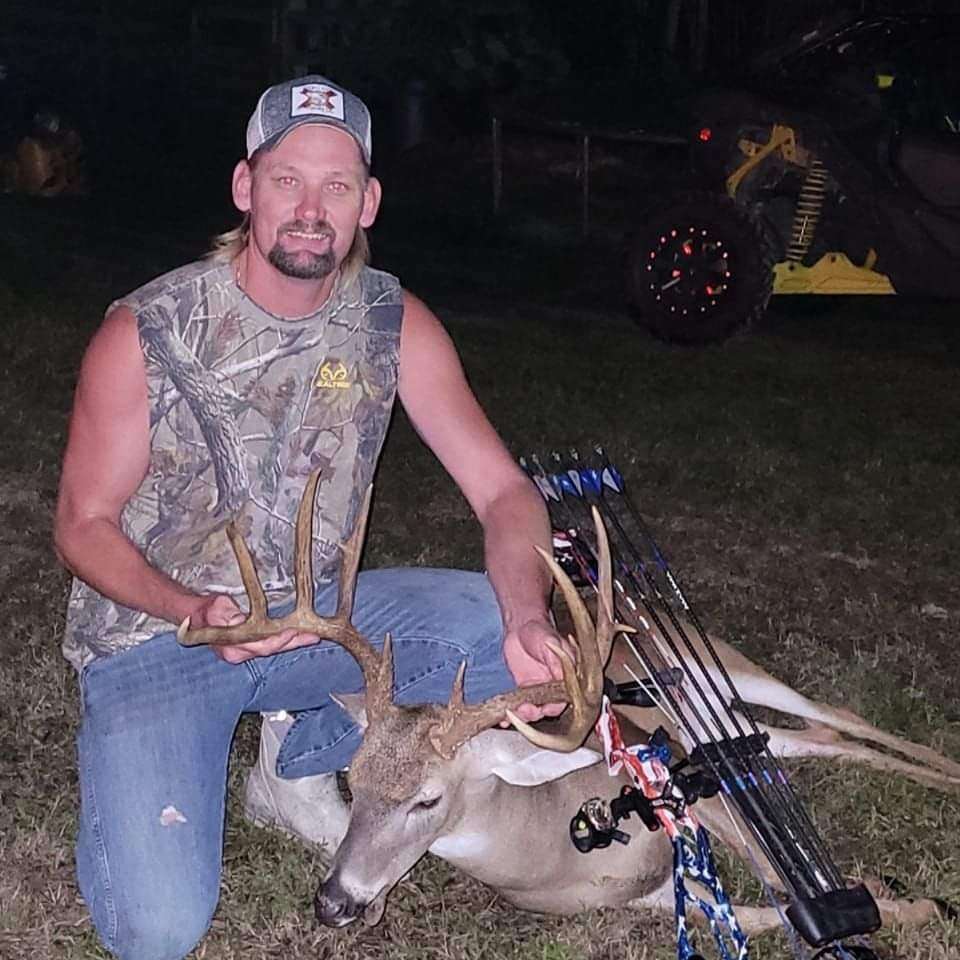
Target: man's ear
[(242, 186), (354, 704), (371, 202)]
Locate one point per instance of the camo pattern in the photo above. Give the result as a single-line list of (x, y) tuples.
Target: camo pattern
[(243, 406)]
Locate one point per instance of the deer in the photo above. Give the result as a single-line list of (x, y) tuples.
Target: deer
[(496, 803)]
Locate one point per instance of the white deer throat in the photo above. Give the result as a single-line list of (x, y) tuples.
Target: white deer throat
[(461, 847)]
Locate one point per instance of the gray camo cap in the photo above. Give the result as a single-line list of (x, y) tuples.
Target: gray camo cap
[(311, 99)]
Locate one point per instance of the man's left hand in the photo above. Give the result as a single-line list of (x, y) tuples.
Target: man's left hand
[(279, 643), (531, 662)]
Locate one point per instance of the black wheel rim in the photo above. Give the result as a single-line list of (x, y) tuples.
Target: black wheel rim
[(688, 272)]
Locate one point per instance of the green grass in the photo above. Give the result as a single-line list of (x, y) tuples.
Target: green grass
[(803, 481)]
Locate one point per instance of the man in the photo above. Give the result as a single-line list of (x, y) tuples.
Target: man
[(209, 395)]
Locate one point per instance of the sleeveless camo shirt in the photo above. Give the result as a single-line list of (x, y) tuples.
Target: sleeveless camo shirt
[(243, 405)]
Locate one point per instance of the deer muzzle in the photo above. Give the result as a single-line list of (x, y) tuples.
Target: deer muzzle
[(336, 907)]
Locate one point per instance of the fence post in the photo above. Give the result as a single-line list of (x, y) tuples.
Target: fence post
[(497, 165), (585, 176)]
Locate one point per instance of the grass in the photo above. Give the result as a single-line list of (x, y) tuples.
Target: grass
[(803, 481)]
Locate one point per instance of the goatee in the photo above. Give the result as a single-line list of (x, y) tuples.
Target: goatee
[(304, 264)]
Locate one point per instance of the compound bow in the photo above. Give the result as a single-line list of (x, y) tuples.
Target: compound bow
[(727, 753)]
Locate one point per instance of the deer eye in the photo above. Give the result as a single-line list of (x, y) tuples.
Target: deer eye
[(428, 804)]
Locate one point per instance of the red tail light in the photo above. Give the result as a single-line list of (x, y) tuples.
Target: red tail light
[(705, 134)]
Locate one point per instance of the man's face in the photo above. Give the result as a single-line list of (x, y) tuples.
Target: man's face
[(306, 198)]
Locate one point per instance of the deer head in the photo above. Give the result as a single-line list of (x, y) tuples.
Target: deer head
[(417, 767)]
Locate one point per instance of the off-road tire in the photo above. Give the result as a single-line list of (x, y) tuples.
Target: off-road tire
[(700, 269)]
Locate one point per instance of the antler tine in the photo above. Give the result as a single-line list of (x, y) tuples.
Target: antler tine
[(456, 694), (258, 624), (379, 683), (248, 573), (589, 663), (303, 546), (303, 617), (257, 619), (607, 628), (377, 669), (460, 722), (587, 692), (582, 682), (251, 584)]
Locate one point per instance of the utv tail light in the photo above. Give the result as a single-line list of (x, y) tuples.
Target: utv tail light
[(705, 134)]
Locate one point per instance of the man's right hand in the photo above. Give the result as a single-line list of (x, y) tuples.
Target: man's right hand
[(215, 610), (219, 610)]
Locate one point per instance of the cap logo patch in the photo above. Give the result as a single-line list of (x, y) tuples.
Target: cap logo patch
[(316, 99)]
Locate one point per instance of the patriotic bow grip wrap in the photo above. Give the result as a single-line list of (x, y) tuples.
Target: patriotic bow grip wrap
[(647, 768)]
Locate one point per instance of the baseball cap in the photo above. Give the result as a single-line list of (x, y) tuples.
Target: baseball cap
[(310, 99)]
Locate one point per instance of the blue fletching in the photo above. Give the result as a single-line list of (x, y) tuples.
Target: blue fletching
[(546, 490), (592, 480), (563, 481), (611, 477)]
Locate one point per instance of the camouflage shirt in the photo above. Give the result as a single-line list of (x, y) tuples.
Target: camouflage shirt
[(243, 405)]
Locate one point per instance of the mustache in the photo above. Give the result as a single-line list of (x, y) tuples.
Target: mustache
[(318, 228)]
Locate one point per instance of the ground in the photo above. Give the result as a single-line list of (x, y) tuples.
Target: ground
[(802, 480)]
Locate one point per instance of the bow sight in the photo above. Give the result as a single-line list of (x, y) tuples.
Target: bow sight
[(726, 752)]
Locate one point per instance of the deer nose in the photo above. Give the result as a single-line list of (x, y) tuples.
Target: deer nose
[(334, 910)]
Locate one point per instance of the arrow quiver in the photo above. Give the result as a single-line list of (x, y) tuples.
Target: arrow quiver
[(677, 669)]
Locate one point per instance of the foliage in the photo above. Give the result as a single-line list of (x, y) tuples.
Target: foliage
[(464, 47)]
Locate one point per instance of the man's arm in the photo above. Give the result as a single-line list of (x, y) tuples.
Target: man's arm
[(445, 413), (107, 455)]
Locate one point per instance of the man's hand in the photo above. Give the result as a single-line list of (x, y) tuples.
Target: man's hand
[(219, 610), (531, 662)]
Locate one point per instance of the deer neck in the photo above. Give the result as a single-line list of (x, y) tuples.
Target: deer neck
[(480, 836), (467, 840)]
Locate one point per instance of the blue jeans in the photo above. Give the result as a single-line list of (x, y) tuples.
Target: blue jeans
[(158, 721)]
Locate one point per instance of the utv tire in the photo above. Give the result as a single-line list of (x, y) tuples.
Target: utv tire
[(700, 269)]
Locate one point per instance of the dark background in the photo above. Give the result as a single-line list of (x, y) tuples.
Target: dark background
[(161, 92)]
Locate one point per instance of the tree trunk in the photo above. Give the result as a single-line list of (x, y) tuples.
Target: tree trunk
[(210, 405), (671, 26), (701, 36)]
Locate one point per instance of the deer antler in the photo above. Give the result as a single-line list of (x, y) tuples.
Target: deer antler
[(582, 683), (377, 668)]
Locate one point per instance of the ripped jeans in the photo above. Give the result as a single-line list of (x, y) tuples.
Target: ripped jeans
[(158, 721)]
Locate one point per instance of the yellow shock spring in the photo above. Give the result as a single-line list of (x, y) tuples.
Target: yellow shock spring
[(807, 214)]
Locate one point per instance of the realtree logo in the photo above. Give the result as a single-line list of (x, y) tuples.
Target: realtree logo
[(332, 375)]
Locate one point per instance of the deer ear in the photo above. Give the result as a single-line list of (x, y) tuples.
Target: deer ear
[(512, 758), (544, 766), (354, 705)]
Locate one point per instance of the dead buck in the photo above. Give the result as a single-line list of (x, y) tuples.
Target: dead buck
[(497, 804)]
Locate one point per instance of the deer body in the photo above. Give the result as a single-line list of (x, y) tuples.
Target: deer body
[(514, 837), (500, 811), (496, 804)]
